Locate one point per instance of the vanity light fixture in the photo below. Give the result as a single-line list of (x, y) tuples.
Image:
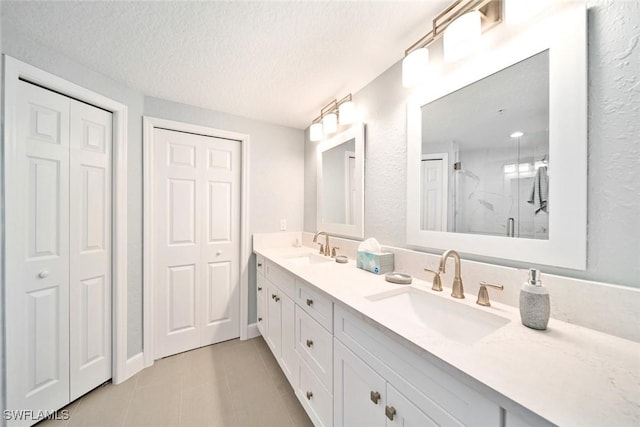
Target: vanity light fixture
[(462, 36), (464, 16), (335, 112), (315, 131)]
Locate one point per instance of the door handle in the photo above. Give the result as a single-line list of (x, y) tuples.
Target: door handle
[(43, 274), (375, 397), (389, 411)]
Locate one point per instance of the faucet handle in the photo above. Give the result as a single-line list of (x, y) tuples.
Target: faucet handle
[(321, 249), (483, 294), (437, 283), (334, 251)]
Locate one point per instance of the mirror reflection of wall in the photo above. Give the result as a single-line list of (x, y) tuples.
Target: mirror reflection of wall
[(485, 155), (339, 184)]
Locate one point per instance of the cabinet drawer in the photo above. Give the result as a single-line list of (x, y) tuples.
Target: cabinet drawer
[(315, 399), (315, 346), (315, 304), (261, 291), (281, 278), (260, 265)]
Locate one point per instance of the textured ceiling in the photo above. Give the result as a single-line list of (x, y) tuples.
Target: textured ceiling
[(278, 62)]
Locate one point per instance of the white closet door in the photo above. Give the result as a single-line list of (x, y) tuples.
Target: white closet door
[(90, 248), (37, 255), (196, 214), (221, 246)]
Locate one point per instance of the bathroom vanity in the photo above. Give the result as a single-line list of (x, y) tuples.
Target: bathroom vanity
[(360, 351)]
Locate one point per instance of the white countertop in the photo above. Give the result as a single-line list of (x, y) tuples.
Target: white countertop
[(569, 375)]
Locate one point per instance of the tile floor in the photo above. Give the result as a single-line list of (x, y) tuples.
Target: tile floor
[(231, 384)]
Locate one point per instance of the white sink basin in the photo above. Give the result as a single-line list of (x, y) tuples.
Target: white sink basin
[(307, 259), (447, 318)]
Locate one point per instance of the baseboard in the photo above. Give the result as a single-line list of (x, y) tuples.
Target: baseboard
[(133, 365), (253, 331)]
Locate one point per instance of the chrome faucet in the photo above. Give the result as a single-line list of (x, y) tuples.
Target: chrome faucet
[(457, 290), (324, 250)]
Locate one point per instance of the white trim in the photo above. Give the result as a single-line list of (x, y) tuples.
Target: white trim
[(253, 331), (149, 123), (134, 364), (14, 70)]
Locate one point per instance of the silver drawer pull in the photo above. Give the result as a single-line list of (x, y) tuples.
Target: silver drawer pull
[(309, 395), (309, 302), (309, 343), (389, 411), (375, 397)]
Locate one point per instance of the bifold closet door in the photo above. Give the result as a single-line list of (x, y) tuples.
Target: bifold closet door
[(58, 250), (196, 182), (90, 248)]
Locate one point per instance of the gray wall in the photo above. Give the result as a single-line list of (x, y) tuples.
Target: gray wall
[(276, 167), (614, 151)]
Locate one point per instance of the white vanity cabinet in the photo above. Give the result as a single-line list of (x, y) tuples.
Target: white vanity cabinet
[(314, 345), (278, 316), (412, 390)]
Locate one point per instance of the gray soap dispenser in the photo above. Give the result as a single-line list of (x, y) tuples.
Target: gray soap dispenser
[(534, 302)]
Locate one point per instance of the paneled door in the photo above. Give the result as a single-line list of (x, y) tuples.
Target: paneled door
[(58, 258), (196, 205), (90, 248)]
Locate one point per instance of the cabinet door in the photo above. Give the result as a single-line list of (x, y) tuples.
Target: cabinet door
[(261, 304), (289, 356), (359, 392), (274, 320), (400, 412)]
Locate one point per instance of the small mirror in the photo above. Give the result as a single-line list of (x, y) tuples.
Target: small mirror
[(489, 175), (497, 149), (340, 178)]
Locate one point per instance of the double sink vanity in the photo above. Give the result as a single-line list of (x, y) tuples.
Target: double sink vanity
[(360, 351)]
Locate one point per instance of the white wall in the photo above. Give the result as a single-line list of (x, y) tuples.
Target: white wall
[(276, 169), (614, 151)]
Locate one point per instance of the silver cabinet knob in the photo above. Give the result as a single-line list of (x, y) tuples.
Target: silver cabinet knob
[(43, 274), (309, 395), (375, 396), (218, 252), (309, 302), (309, 343)]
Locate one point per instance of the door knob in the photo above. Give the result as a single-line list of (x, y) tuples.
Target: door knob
[(218, 252), (309, 395), (375, 396), (309, 343), (43, 274), (309, 302)]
